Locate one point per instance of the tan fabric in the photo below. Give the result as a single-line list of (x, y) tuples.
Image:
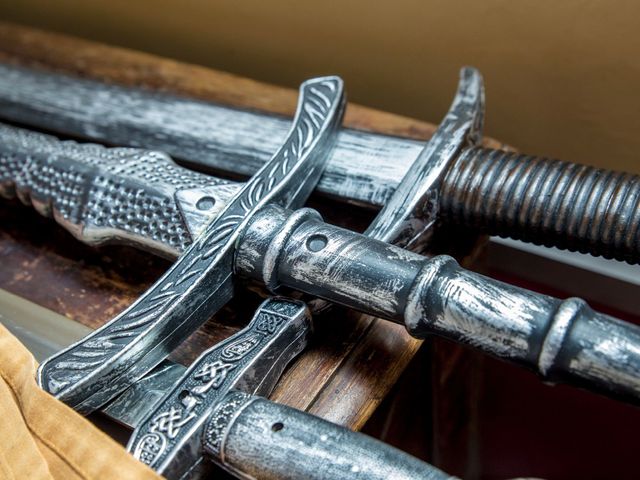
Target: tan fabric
[(41, 438)]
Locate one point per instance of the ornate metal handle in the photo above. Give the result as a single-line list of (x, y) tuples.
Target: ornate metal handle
[(256, 438), (169, 437), (103, 195), (563, 341)]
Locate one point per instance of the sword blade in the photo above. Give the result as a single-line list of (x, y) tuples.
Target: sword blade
[(210, 137)]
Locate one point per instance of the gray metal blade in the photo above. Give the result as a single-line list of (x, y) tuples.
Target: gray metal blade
[(364, 168)]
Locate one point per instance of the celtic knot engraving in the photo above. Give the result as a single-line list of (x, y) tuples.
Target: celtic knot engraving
[(216, 372), (269, 323), (170, 422)]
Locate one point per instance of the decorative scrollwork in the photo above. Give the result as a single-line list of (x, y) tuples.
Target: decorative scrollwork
[(182, 297), (209, 378)]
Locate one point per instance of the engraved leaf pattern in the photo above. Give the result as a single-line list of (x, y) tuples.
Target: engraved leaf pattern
[(320, 102)]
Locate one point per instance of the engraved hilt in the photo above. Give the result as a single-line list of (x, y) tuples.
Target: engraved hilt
[(169, 438), (102, 195), (96, 369), (545, 201), (563, 341), (255, 438)]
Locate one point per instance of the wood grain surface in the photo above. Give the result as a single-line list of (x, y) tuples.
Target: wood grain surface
[(354, 360)]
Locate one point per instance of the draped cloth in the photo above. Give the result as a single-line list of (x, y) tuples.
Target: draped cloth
[(42, 438)]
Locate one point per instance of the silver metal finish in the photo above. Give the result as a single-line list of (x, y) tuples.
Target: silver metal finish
[(91, 372), (407, 219), (107, 195), (143, 198), (565, 341), (229, 431), (503, 193), (211, 137), (169, 438), (255, 438), (177, 456)]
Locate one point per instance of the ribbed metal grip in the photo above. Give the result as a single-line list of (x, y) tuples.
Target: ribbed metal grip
[(545, 201)]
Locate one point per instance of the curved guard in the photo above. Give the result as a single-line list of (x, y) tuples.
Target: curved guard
[(169, 439), (91, 372), (411, 212), (107, 195)]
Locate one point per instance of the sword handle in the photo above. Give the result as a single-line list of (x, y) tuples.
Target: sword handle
[(565, 341), (107, 195), (545, 201), (260, 439)]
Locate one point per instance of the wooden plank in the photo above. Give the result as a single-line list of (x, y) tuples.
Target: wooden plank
[(353, 362)]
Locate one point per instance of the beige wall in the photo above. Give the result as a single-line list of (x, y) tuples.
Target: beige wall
[(561, 75)]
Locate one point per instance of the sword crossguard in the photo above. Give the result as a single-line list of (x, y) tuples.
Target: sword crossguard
[(93, 371)]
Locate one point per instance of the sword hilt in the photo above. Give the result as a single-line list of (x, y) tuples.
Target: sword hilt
[(545, 201), (256, 438), (565, 341)]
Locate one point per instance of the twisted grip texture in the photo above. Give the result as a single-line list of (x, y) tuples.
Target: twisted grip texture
[(545, 201)]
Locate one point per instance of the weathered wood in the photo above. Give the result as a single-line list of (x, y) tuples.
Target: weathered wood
[(353, 361)]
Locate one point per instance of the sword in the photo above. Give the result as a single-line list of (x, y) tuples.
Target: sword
[(503, 193), (564, 341)]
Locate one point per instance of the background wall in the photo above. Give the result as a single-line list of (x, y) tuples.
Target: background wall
[(561, 76)]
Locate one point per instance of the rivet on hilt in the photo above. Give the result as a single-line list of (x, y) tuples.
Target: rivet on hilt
[(317, 242), (205, 203)]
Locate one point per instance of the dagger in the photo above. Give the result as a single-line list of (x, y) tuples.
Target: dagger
[(563, 341), (503, 193)]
